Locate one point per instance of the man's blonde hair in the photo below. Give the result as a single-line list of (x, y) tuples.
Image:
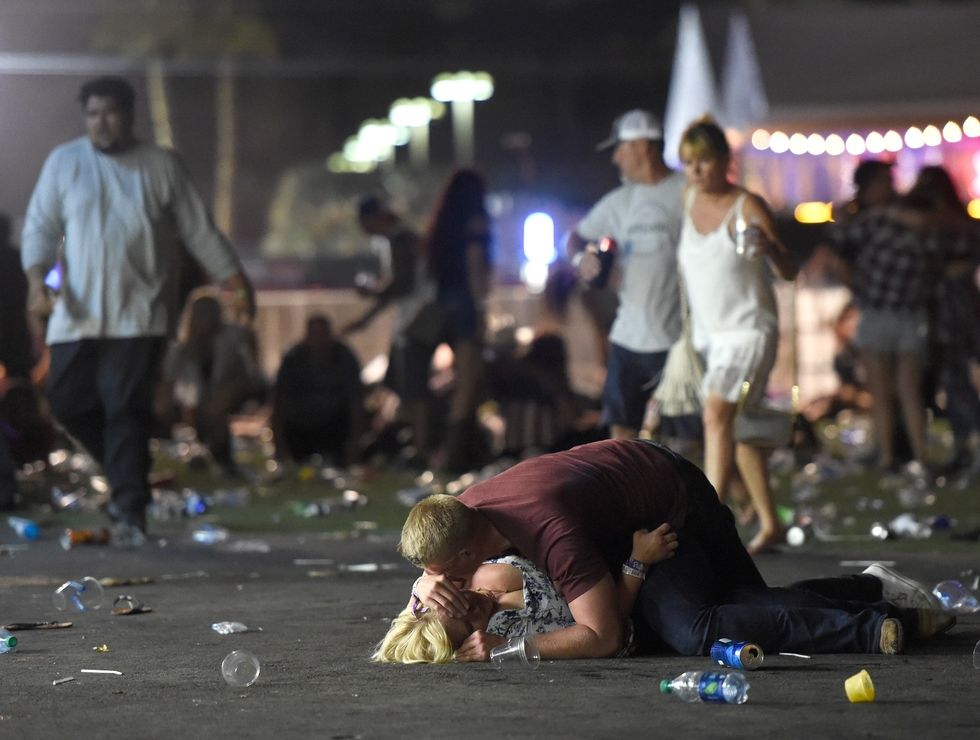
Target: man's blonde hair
[(436, 529), (415, 640)]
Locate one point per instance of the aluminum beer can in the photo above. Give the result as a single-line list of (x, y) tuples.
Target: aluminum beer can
[(743, 656)]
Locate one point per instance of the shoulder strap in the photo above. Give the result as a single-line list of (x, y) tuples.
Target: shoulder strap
[(735, 209), (689, 200)]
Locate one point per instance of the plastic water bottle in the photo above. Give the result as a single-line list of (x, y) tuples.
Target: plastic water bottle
[(24, 527), (709, 686), (8, 643)]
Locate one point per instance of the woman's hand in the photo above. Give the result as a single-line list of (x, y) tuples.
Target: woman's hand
[(652, 547), (442, 592), (476, 648)]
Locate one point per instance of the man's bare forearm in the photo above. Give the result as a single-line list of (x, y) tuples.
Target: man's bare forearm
[(577, 641)]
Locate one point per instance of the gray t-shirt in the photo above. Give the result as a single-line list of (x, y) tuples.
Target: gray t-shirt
[(645, 220)]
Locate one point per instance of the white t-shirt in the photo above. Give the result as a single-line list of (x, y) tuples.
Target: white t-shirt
[(645, 220)]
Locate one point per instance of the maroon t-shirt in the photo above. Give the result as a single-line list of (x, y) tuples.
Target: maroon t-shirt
[(573, 513)]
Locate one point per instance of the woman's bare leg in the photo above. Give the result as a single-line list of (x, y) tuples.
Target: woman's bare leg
[(469, 380), (908, 376), (753, 467), (880, 367), (719, 448)]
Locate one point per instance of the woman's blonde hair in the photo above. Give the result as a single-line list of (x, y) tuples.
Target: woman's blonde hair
[(412, 639), (705, 138)]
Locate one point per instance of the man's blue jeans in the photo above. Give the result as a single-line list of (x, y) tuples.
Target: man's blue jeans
[(711, 589)]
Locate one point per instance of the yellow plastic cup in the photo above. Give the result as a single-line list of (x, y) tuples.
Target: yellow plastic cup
[(859, 687)]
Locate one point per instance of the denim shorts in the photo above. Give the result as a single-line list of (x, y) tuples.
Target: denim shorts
[(893, 332), (630, 379)]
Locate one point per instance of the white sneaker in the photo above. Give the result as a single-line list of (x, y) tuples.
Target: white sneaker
[(901, 590)]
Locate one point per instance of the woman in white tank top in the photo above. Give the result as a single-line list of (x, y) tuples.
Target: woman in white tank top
[(733, 308)]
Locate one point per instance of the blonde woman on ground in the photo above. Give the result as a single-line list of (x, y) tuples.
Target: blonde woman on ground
[(733, 309), (506, 597)]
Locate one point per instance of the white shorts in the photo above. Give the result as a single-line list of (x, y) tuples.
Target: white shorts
[(733, 357)]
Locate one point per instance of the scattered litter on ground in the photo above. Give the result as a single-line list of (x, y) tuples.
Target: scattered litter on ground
[(59, 681), (101, 671), (260, 547)]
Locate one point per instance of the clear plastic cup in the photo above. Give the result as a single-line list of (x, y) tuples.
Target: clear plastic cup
[(84, 595), (240, 668), (519, 652)]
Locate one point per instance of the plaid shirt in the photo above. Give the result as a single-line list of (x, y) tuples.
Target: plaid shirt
[(895, 267)]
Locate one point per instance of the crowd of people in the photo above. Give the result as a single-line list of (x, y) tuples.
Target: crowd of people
[(604, 547)]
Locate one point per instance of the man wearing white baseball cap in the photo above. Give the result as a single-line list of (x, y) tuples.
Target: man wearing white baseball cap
[(643, 216)]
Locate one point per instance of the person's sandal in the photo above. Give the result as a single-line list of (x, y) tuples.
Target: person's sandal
[(124, 605)]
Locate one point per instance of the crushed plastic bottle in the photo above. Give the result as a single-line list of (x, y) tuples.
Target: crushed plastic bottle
[(24, 528), (229, 628), (209, 534), (708, 686), (8, 643), (956, 598)]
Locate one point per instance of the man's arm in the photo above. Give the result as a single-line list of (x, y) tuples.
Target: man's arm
[(43, 230), (597, 632)]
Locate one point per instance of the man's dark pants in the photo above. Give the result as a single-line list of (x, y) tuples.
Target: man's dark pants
[(101, 390), (711, 589)]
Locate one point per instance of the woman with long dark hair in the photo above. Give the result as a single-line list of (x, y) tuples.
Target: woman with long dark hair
[(459, 254)]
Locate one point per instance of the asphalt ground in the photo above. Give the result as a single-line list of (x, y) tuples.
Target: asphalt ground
[(319, 620)]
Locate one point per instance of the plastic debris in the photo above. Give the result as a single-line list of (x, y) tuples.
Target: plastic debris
[(59, 681), (84, 595), (258, 547), (103, 648), (906, 525), (367, 567), (209, 534), (101, 671), (956, 598), (231, 628)]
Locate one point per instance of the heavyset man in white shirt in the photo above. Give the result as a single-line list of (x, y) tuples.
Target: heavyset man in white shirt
[(112, 211), (644, 217)]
